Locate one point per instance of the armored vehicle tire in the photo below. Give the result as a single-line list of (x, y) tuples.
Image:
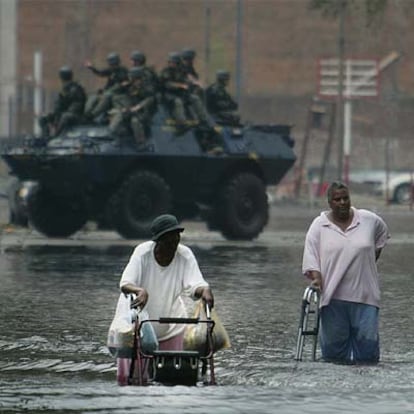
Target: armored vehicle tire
[(143, 196), (17, 210), (242, 210), (56, 216), (18, 219)]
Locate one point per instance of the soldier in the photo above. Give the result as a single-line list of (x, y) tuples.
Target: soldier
[(178, 96), (187, 57), (139, 60), (219, 102), (115, 74), (69, 105), (132, 105)]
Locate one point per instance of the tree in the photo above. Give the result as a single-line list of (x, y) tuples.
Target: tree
[(332, 8)]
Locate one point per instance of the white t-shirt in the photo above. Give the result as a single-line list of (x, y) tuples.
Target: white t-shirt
[(346, 259), (164, 284)]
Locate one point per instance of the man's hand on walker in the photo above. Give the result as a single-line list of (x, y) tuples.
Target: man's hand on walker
[(316, 281)]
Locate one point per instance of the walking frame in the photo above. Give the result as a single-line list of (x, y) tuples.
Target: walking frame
[(173, 367), (309, 322)]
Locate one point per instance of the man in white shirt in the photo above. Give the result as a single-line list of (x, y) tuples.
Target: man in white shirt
[(159, 273)]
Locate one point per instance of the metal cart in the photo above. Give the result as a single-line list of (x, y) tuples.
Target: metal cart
[(173, 367)]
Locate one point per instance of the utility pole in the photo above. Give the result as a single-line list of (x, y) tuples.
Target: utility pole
[(340, 94), (8, 64), (207, 52), (239, 48), (37, 91)]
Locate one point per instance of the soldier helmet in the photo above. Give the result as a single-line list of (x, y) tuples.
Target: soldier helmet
[(222, 75), (136, 73), (188, 54), (138, 57), (65, 73), (113, 59), (174, 57)]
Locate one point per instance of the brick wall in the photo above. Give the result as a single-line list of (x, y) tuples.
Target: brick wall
[(282, 41)]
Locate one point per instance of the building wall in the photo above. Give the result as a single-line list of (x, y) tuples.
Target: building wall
[(282, 41), (7, 63)]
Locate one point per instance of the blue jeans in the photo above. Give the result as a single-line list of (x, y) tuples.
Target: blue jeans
[(349, 332)]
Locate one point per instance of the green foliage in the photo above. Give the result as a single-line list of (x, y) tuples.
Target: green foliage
[(332, 8), (329, 8)]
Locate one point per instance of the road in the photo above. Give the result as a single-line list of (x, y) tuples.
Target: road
[(287, 225)]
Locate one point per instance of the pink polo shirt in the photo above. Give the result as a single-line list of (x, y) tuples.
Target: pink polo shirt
[(346, 259)]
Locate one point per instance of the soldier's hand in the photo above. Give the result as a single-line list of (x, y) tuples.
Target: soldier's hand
[(88, 64)]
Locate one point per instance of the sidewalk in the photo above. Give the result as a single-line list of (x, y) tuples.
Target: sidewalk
[(288, 222)]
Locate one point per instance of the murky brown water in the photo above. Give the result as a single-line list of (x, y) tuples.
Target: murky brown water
[(57, 303)]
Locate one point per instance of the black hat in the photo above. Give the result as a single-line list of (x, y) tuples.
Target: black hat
[(189, 54), (113, 58), (164, 224), (138, 56), (174, 57), (65, 73), (222, 74)]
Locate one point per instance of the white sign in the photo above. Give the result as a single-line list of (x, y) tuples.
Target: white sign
[(360, 78)]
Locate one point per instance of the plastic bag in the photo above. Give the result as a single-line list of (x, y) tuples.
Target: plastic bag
[(120, 340), (149, 341), (195, 336), (121, 332)]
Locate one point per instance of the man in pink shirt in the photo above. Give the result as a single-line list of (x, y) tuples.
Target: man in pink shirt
[(341, 249)]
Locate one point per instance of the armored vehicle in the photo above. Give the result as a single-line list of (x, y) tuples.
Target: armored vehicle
[(87, 174)]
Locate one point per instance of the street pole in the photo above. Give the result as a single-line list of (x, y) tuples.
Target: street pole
[(207, 22), (239, 48), (37, 92), (340, 94), (8, 64), (347, 123), (347, 138)]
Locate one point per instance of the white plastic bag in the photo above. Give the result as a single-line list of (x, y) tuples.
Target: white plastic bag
[(120, 340), (121, 332)]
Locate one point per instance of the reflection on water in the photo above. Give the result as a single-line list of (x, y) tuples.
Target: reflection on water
[(57, 304)]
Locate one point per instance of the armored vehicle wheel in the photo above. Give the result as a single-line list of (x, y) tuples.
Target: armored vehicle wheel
[(242, 210), (143, 196), (56, 216)]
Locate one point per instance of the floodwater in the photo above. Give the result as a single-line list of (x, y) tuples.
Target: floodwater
[(57, 303)]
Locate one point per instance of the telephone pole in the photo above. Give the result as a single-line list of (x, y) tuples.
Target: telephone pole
[(340, 95), (8, 62)]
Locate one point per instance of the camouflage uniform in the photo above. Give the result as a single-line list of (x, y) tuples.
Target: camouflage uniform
[(133, 106), (187, 57), (177, 94), (150, 75), (115, 74), (219, 102), (69, 106)]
